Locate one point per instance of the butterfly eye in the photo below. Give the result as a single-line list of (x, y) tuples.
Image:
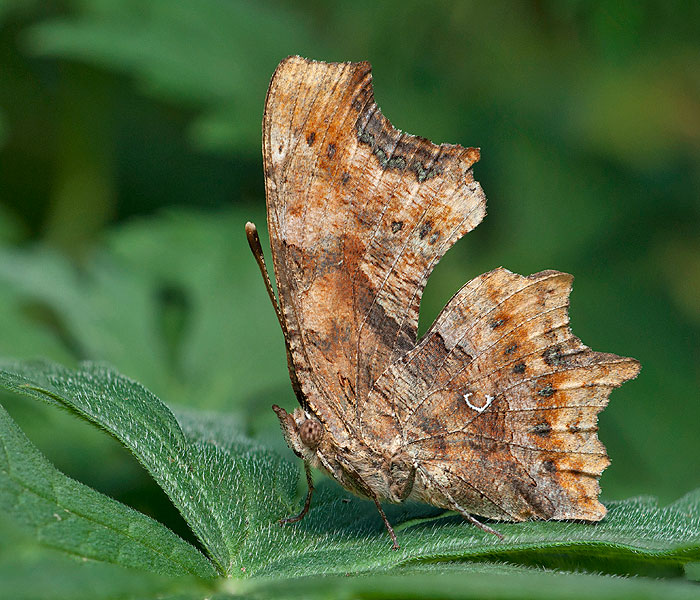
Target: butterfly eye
[(311, 432)]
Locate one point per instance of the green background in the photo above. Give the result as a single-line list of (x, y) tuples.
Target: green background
[(130, 153)]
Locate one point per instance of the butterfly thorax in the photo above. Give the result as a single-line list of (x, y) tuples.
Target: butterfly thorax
[(386, 473)]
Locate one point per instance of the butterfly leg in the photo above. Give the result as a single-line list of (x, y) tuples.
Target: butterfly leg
[(307, 502), (476, 522), (352, 473), (454, 505), (388, 526)]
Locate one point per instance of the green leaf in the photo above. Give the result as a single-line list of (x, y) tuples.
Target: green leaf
[(68, 515), (637, 536), (232, 492), (11, 228), (209, 483), (692, 571), (81, 305), (471, 581), (51, 575)]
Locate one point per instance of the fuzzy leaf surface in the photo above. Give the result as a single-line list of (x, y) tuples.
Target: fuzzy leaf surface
[(66, 514)]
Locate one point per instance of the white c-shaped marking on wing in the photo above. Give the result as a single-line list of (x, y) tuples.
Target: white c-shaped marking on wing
[(489, 400)]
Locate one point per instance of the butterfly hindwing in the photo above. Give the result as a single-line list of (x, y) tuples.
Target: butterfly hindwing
[(498, 403)]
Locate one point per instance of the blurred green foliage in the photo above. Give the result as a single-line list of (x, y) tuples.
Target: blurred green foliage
[(587, 114)]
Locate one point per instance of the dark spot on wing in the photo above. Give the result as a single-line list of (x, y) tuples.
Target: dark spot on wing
[(367, 138), (541, 506), (546, 391), (391, 148), (549, 466), (396, 226), (422, 172), (519, 368), (553, 356), (345, 178), (312, 338), (425, 229), (310, 138), (331, 151), (577, 428), (440, 443), (543, 429), (434, 237), (496, 323), (510, 349), (396, 162)]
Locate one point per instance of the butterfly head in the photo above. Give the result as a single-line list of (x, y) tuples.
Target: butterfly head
[(302, 431)]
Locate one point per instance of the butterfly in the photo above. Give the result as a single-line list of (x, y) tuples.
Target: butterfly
[(493, 412)]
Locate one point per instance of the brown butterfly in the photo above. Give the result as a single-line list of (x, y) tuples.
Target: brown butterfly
[(493, 412)]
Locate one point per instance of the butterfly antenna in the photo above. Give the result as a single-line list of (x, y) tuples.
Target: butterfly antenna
[(251, 232)]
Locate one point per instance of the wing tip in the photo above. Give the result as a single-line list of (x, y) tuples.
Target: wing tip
[(534, 277), (377, 131), (296, 60), (628, 368)]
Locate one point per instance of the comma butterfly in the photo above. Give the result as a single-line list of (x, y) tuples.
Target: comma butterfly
[(493, 412)]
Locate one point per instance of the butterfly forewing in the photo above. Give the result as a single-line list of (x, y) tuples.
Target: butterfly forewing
[(359, 213)]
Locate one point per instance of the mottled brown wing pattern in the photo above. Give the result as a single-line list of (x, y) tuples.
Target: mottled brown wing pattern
[(498, 403), (358, 214)]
